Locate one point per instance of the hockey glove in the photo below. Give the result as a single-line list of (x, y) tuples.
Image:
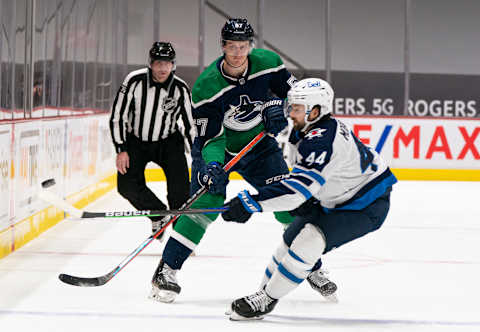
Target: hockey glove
[(241, 208), (214, 177), (274, 116)]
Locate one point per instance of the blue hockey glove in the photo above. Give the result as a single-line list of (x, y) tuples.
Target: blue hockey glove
[(214, 177), (240, 208), (274, 116)]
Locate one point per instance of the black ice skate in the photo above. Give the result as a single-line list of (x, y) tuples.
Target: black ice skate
[(319, 281), (164, 284), (253, 306)]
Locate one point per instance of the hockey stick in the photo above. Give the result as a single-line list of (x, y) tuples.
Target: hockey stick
[(150, 213), (81, 214), (102, 280)]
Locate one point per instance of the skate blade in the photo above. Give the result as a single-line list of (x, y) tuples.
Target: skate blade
[(228, 309), (332, 298), (236, 317), (163, 296)]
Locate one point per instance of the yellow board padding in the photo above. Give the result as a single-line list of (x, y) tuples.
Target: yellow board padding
[(27, 229), (437, 174), (22, 232), (93, 192), (6, 236), (156, 174)]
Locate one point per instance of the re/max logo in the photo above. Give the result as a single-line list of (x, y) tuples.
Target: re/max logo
[(439, 141)]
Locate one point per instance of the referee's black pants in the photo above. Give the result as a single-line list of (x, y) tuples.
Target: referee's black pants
[(169, 154)]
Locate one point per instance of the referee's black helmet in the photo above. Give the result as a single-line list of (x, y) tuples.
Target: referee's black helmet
[(162, 51)]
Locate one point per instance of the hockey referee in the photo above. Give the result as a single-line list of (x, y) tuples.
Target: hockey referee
[(151, 118)]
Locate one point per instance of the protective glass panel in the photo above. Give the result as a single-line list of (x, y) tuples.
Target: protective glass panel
[(445, 61), (368, 56)]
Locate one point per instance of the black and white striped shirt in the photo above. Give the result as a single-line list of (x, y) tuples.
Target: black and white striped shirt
[(150, 110)]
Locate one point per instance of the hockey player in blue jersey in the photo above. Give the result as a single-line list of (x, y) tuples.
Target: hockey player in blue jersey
[(340, 188)]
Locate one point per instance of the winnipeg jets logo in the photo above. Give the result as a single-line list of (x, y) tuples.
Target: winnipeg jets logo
[(315, 133), (169, 104), (243, 116)]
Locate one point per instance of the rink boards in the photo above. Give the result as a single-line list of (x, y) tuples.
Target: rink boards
[(76, 152)]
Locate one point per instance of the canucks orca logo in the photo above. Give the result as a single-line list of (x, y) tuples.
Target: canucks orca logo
[(244, 116)]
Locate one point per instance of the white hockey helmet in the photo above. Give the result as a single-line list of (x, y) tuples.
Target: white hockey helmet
[(311, 92)]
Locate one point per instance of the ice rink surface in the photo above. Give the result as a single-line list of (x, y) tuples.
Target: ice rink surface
[(419, 272)]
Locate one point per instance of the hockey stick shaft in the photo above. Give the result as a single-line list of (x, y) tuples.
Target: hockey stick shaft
[(99, 281), (149, 213)]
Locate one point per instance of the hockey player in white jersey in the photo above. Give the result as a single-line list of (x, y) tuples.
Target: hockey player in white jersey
[(341, 187)]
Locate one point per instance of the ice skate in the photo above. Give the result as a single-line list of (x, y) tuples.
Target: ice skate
[(251, 307), (164, 284), (319, 281)]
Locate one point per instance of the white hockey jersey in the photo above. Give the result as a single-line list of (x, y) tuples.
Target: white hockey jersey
[(334, 167)]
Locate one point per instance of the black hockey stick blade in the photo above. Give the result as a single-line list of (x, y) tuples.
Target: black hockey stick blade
[(86, 282), (102, 280)]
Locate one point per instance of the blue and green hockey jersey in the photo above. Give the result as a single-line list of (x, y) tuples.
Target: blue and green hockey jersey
[(227, 110)]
